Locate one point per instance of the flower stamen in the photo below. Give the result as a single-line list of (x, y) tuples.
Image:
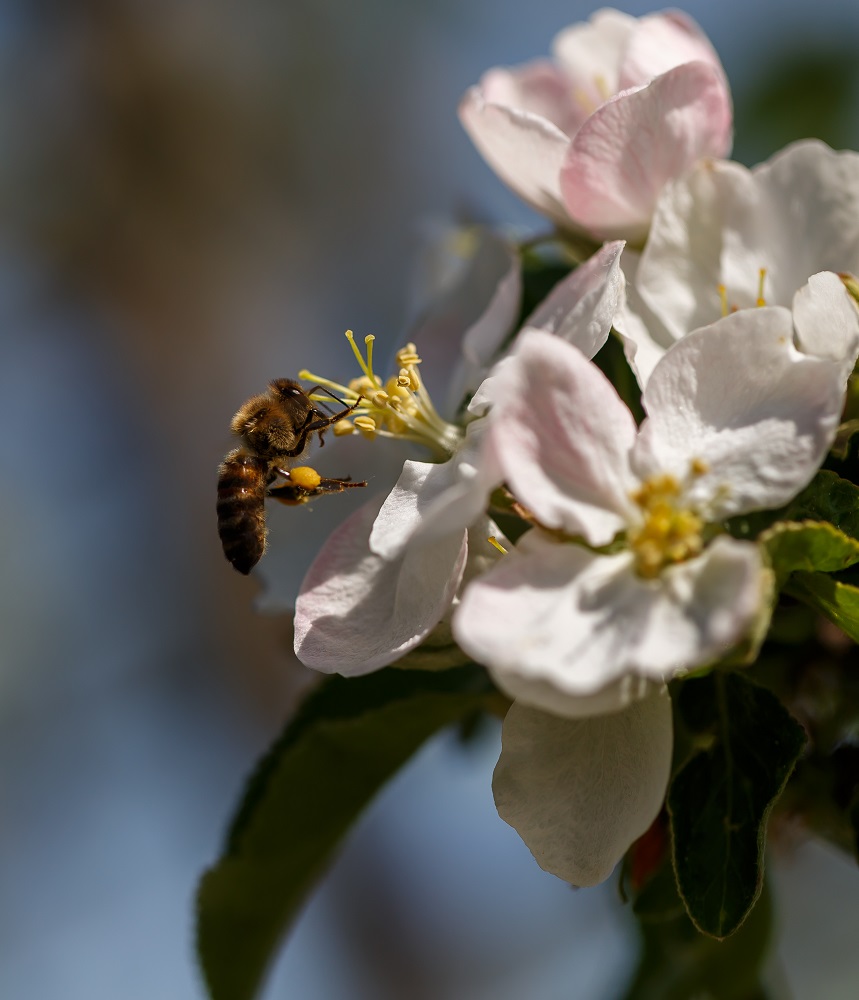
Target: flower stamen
[(399, 408), (762, 277), (669, 533)]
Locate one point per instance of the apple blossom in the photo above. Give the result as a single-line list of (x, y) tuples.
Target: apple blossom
[(465, 299), (726, 237), (435, 515), (626, 581), (590, 138)]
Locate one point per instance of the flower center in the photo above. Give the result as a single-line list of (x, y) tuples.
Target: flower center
[(669, 533), (397, 408)]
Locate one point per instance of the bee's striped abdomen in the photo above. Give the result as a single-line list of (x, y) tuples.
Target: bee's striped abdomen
[(242, 481)]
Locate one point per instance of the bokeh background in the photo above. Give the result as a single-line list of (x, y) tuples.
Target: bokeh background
[(197, 196)]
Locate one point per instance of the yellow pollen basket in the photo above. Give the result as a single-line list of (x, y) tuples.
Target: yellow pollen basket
[(669, 534), (305, 477), (399, 407)]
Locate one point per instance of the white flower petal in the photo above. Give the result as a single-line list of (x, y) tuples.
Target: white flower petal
[(563, 436), (538, 88), (525, 150), (826, 319), (431, 501), (680, 269), (592, 53), (645, 337), (581, 308), (793, 216), (739, 415), (624, 154), (555, 622), (357, 612), (806, 215), (579, 792)]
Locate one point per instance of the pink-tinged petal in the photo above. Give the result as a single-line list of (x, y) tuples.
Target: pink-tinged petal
[(626, 152), (538, 88), (357, 612), (661, 42), (563, 436), (581, 308), (555, 623), (429, 501), (580, 791), (467, 305), (591, 54), (738, 415), (826, 320), (525, 150)]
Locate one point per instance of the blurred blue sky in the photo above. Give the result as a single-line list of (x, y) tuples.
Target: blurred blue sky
[(198, 196)]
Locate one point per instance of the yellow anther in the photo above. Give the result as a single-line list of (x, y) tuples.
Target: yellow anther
[(669, 533), (493, 541), (362, 386), (762, 277), (408, 356), (723, 298), (342, 428), (399, 407), (305, 477), (395, 390), (699, 467), (366, 425)]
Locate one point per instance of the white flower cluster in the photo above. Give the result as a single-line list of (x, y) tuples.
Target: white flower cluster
[(727, 287)]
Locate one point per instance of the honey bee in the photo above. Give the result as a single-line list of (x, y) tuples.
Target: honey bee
[(275, 427)]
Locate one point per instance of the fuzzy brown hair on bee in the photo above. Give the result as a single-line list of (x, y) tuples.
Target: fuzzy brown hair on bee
[(275, 427)]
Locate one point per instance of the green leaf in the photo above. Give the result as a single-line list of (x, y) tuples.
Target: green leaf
[(827, 497), (349, 737), (720, 799), (812, 546), (843, 439), (658, 900), (838, 600), (539, 277), (679, 963), (611, 359)]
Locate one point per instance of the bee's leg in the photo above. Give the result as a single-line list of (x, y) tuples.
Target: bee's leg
[(337, 399), (319, 424), (304, 483)]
